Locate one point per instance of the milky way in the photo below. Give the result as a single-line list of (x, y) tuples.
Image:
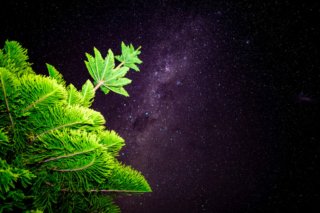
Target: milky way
[(170, 81)]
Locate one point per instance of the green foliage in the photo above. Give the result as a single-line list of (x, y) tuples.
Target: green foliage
[(37, 92), (127, 179), (15, 58), (55, 152), (8, 97), (55, 74), (129, 56), (106, 75), (112, 141), (3, 137), (74, 96), (91, 202), (4, 143), (10, 196), (88, 94)]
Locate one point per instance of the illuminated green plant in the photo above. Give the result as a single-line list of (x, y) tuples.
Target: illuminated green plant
[(56, 154)]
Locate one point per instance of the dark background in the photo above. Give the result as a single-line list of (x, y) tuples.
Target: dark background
[(224, 115)]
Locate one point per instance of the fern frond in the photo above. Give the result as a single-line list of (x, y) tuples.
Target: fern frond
[(4, 143), (55, 74), (75, 158), (112, 141), (57, 118), (88, 94), (40, 93), (8, 95), (74, 96), (126, 180), (92, 202), (10, 175), (58, 144), (68, 161), (78, 173), (37, 95), (3, 137), (15, 58), (45, 196)]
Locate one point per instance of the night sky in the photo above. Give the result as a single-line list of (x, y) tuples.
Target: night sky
[(224, 115)]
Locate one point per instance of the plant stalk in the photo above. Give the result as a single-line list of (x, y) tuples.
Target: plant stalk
[(101, 82)]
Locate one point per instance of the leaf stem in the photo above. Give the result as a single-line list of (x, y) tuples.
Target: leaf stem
[(55, 128), (119, 66), (6, 100), (67, 156), (76, 169), (102, 190), (32, 105), (101, 82), (109, 191), (98, 85), (117, 190)]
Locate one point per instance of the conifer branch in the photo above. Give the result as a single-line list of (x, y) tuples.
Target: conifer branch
[(76, 169), (56, 128), (6, 100), (110, 190), (117, 190), (39, 101), (101, 190), (70, 151), (66, 156)]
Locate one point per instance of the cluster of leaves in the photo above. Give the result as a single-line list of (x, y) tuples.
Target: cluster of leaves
[(56, 154), (10, 176), (106, 75)]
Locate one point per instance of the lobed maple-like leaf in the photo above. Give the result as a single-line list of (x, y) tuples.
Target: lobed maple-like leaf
[(106, 76), (129, 56)]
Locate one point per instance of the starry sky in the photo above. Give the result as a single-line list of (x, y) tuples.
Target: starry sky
[(224, 115)]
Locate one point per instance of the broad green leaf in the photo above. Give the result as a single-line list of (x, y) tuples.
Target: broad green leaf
[(90, 64), (118, 73), (129, 56), (104, 90), (116, 82), (98, 67), (108, 65), (132, 66), (103, 72), (119, 90), (119, 83)]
